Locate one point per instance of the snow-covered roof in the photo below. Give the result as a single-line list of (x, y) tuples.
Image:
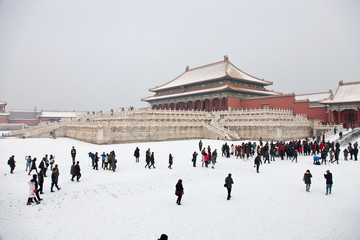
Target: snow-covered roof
[(210, 72), (314, 97), (3, 103), (212, 89), (346, 92), (57, 114)]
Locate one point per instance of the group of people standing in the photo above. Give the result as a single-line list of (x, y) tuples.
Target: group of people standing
[(108, 161)]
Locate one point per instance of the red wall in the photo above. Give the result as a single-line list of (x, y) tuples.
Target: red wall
[(234, 103), (285, 102), (3, 120), (27, 122)]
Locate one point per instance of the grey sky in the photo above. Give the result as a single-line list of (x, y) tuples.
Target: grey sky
[(106, 54)]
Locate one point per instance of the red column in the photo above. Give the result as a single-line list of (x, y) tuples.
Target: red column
[(358, 116), (210, 100), (174, 106), (330, 116), (202, 105), (339, 116)]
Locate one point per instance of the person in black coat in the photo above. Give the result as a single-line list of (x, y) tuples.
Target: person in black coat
[(307, 180), (76, 172), (42, 167), (36, 187), (96, 160), (152, 160), (33, 166), (41, 182), (194, 158), (11, 163), (179, 191), (73, 154), (137, 154), (329, 181), (257, 163), (228, 184), (54, 178)]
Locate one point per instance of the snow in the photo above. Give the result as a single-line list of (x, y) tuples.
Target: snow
[(58, 114), (138, 203), (348, 92), (314, 97)]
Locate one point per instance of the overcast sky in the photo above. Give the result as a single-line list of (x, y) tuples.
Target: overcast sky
[(106, 54)]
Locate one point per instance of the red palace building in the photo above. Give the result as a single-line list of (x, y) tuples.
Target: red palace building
[(344, 106), (217, 86), (223, 86)]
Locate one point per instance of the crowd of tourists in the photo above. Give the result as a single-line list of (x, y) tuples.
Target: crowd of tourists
[(261, 152)]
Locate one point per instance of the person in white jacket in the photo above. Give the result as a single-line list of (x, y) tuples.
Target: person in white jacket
[(32, 193)]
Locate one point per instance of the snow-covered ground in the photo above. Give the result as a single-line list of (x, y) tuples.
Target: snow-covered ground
[(138, 203)]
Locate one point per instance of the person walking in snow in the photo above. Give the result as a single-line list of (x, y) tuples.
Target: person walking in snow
[(52, 162), (329, 181), (346, 154), (41, 182), (171, 161), (356, 151), (103, 160), (228, 184), (42, 166), (36, 187), (194, 156), (73, 153), (28, 162), (137, 154), (147, 158), (200, 146), (76, 172), (33, 166), (307, 180), (295, 155), (96, 161), (179, 191), (54, 178), (112, 160), (257, 163), (213, 158), (206, 159), (152, 160), (72, 171), (11, 163), (32, 191)]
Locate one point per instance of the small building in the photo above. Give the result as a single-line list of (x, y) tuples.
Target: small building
[(28, 117), (344, 106), (217, 86), (4, 117)]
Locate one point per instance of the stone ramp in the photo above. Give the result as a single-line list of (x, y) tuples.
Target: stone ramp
[(39, 131), (350, 137)]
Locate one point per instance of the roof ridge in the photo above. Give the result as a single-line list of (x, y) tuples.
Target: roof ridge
[(187, 70), (250, 74), (341, 83), (311, 93)]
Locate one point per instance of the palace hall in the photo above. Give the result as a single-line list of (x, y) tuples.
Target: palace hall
[(217, 86)]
